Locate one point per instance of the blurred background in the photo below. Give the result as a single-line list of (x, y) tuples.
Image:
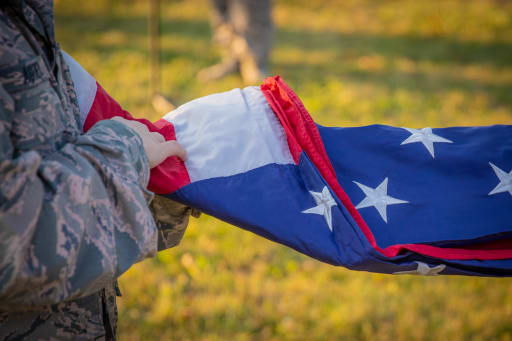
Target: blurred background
[(352, 62)]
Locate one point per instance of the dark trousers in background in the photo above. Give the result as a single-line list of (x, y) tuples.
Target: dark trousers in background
[(243, 28)]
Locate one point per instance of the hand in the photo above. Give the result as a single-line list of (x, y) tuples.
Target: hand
[(155, 146)]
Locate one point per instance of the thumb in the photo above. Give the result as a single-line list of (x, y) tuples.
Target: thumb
[(173, 148)]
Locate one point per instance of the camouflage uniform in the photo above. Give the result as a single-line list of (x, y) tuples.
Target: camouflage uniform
[(74, 209), (244, 29)]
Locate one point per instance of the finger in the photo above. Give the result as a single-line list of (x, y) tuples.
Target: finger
[(173, 148), (157, 137)]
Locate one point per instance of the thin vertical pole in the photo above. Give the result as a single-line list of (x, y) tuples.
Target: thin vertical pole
[(154, 46)]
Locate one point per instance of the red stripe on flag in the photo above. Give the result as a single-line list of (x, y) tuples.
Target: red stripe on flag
[(167, 177)]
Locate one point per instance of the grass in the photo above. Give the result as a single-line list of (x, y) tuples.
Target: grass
[(353, 62)]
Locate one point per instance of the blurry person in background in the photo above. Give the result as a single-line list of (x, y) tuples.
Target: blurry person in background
[(243, 29), (74, 209)]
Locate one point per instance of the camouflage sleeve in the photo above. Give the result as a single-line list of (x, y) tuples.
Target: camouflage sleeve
[(73, 221), (171, 219)]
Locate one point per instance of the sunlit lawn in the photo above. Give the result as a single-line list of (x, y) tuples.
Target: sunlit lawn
[(353, 62)]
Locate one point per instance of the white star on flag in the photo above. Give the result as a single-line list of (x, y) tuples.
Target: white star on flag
[(425, 136), (505, 181), (378, 198), (423, 269), (324, 202)]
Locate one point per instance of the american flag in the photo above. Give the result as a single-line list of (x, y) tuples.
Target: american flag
[(395, 200)]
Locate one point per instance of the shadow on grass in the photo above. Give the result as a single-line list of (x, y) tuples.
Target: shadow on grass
[(348, 48), (134, 27), (416, 48), (428, 84)]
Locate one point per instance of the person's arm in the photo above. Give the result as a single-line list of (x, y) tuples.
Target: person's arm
[(95, 105), (75, 220)]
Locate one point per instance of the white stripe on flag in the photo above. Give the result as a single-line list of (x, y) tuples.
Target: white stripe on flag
[(229, 133)]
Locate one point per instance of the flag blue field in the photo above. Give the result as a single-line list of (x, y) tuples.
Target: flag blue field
[(376, 198)]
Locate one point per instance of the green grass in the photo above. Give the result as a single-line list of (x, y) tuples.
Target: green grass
[(353, 62)]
